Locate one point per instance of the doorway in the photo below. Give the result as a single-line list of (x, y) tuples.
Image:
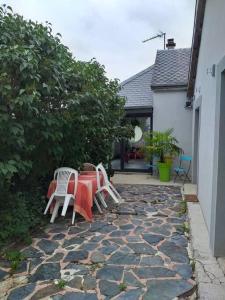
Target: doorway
[(128, 154)]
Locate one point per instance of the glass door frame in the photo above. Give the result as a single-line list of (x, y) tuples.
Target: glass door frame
[(133, 113)]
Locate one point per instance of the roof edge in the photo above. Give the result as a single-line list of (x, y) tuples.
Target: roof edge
[(196, 42), (136, 75)]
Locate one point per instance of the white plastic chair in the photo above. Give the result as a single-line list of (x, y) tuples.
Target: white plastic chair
[(106, 186), (62, 177)]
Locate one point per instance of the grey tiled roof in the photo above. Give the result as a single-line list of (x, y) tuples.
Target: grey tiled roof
[(171, 68), (137, 89)]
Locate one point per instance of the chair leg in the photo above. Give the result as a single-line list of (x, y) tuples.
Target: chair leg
[(73, 217), (102, 199), (98, 206), (49, 203), (175, 177), (65, 205), (55, 211), (116, 193), (111, 193)]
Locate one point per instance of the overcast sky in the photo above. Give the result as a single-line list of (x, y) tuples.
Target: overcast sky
[(112, 30)]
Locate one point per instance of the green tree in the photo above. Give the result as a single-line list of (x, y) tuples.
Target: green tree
[(54, 111)]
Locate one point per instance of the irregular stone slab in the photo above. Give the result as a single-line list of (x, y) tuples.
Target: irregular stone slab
[(32, 252), (152, 239), (109, 288), (107, 229), (161, 230), (75, 256), (141, 248), (151, 261), (73, 241), (139, 230), (110, 273), (118, 233), (179, 240), (127, 227), (126, 249), (3, 274), (76, 282), (96, 226), (47, 246), (97, 257), (89, 283), (131, 280), (184, 270), (88, 246), (106, 243), (130, 295), (56, 257), (48, 271), (117, 241), (96, 239), (166, 289), (75, 230), (21, 292), (175, 220), (22, 267), (133, 239), (77, 268), (34, 262), (75, 296), (59, 236), (155, 272), (44, 292), (58, 228), (108, 249), (174, 252), (121, 258)]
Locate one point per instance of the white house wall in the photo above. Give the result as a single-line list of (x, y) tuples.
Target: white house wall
[(212, 50), (169, 112)]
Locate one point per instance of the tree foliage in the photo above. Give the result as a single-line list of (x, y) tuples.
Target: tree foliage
[(54, 111)]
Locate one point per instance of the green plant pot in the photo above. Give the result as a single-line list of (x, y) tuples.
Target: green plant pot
[(164, 171)]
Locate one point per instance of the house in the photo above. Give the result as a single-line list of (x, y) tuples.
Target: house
[(156, 99), (169, 86), (206, 91)]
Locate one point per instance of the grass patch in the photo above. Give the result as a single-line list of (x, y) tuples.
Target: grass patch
[(122, 286), (60, 284), (183, 208), (95, 266), (192, 263), (15, 257)]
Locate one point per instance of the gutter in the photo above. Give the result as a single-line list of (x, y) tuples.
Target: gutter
[(196, 42)]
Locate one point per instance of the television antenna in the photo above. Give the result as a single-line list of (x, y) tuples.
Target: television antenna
[(159, 35)]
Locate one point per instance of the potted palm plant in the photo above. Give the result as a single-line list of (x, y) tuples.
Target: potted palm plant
[(162, 145)]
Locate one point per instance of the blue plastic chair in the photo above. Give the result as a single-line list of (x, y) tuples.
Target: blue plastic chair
[(182, 172)]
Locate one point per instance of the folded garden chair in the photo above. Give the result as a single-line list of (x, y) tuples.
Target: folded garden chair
[(106, 186), (90, 167), (62, 176), (182, 171)]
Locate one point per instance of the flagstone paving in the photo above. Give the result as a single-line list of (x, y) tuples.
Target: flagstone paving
[(137, 250)]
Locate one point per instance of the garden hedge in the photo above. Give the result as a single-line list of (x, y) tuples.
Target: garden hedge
[(54, 111)]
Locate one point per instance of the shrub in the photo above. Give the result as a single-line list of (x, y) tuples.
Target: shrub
[(54, 111)]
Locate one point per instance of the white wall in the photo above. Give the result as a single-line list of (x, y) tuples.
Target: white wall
[(169, 112), (212, 50)]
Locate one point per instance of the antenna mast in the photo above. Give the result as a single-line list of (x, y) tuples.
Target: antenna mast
[(159, 35)]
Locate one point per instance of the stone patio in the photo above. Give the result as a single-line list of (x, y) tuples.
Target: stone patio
[(137, 250)]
